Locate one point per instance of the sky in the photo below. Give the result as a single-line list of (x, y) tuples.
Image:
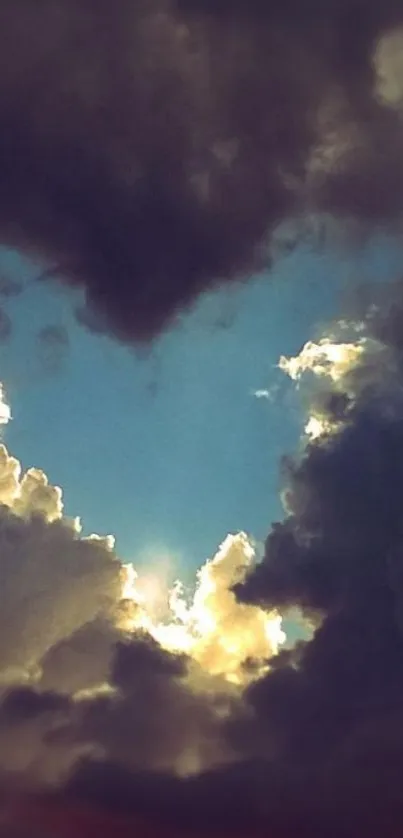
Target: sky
[(152, 154), (168, 448)]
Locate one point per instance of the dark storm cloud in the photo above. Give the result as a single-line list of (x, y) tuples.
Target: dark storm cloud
[(149, 149), (332, 707), (342, 495), (81, 660), (146, 657), (151, 721), (233, 801), (154, 720)]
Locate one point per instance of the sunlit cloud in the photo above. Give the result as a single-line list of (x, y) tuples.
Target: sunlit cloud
[(334, 373), (5, 411), (210, 626)]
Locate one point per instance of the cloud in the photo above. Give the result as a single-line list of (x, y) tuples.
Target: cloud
[(389, 67), (331, 706), (340, 495), (149, 151), (5, 412), (214, 629), (268, 394), (53, 581), (200, 713), (313, 742), (88, 668)]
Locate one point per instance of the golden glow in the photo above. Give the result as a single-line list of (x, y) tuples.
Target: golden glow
[(214, 629), (316, 427), (326, 359)]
